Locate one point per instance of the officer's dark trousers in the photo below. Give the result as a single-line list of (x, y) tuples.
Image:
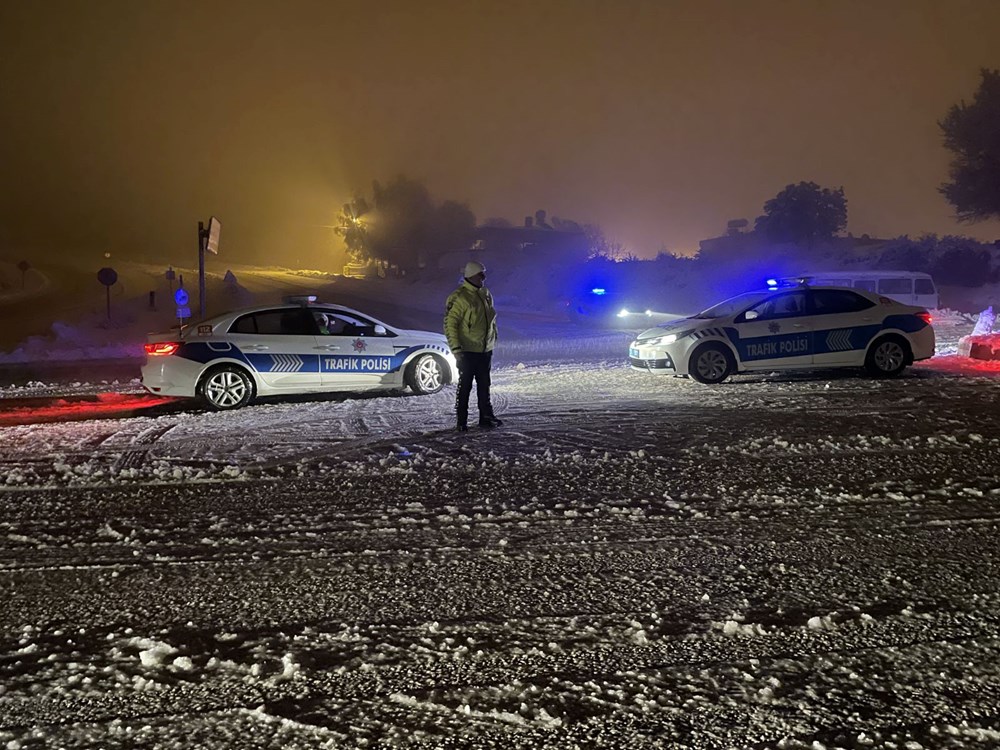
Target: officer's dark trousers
[(473, 366)]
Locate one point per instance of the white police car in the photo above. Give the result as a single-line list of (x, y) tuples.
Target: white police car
[(783, 329), (291, 348)]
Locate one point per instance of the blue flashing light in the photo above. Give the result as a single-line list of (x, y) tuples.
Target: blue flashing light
[(772, 282), (599, 291)]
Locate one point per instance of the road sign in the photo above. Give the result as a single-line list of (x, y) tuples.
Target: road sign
[(212, 243), (107, 276), (181, 298), (183, 312)]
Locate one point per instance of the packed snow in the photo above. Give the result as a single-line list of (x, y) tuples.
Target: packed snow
[(802, 560)]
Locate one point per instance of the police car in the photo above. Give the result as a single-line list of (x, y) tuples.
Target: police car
[(296, 347), (784, 329)]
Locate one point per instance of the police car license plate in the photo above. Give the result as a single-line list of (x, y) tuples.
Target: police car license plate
[(633, 352)]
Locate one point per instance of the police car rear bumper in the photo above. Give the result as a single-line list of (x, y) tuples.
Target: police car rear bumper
[(170, 376), (922, 344)]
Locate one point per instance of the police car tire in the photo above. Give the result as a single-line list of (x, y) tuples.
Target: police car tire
[(887, 357), (425, 375), (226, 387), (716, 355)]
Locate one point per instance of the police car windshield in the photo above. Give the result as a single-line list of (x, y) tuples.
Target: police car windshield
[(733, 305)]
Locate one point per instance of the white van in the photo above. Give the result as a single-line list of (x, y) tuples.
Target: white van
[(908, 287)]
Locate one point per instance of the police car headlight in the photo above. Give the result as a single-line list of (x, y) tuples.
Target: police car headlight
[(665, 340), (661, 340)]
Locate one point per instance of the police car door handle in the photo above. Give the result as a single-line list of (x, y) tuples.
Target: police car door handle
[(327, 347), (254, 347), (798, 325)]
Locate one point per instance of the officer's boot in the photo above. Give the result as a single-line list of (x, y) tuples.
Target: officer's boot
[(488, 419), (462, 414)]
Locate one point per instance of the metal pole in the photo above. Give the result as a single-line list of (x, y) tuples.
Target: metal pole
[(201, 269)]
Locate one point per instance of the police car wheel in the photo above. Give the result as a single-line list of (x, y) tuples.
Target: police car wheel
[(887, 357), (711, 364), (425, 374), (226, 387)]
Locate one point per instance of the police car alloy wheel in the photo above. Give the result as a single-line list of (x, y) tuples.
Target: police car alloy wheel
[(711, 364), (227, 388), (887, 358), (425, 374)]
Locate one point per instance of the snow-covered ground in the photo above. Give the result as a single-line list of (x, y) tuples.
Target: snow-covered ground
[(784, 561)]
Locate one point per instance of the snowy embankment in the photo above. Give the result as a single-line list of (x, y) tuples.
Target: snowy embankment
[(17, 285)]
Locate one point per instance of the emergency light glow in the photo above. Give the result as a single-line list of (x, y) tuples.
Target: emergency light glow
[(161, 348), (598, 291), (772, 282), (623, 313)]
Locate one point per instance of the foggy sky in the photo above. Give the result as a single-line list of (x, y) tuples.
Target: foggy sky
[(125, 123)]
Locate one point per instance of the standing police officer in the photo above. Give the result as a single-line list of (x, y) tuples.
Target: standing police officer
[(470, 323)]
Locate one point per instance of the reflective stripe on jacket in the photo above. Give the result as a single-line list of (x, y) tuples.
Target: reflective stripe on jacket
[(470, 320)]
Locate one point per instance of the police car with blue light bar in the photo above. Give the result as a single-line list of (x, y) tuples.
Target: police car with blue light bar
[(788, 329), (297, 347)]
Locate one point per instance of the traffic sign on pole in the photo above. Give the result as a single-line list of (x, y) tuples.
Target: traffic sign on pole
[(208, 239), (108, 277)]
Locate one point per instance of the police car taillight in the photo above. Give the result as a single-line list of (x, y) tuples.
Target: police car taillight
[(925, 316), (162, 348)]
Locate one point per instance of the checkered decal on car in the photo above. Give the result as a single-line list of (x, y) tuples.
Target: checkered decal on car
[(706, 332)]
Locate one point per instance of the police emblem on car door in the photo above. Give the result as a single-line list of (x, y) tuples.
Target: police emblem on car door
[(775, 332), (356, 351)]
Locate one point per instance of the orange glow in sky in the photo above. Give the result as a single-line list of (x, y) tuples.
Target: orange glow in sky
[(127, 122)]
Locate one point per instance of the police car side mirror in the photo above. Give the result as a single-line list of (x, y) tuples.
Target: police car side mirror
[(380, 330), (751, 315)]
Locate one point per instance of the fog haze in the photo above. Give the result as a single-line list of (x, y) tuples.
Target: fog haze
[(127, 123)]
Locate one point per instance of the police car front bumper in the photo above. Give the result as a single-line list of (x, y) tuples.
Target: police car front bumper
[(452, 367), (651, 359)]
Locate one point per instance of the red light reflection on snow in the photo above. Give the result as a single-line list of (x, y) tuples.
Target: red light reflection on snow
[(102, 406), (957, 364)]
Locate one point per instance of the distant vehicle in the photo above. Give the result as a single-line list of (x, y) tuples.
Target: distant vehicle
[(908, 287), (789, 329), (609, 307), (292, 348)]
